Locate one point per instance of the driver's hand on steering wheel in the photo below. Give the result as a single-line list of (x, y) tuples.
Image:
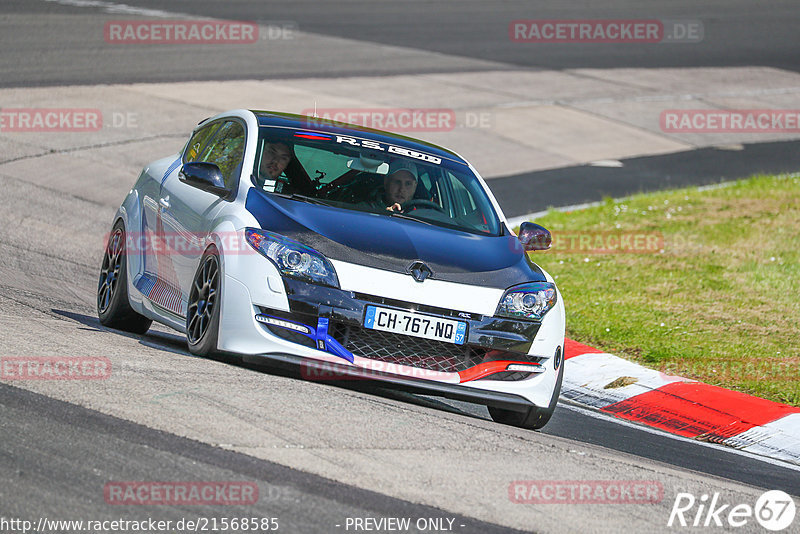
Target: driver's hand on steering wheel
[(394, 207)]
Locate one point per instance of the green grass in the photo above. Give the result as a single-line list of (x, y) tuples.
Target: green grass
[(718, 300)]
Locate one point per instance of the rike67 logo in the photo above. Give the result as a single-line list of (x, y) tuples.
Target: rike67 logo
[(774, 510)]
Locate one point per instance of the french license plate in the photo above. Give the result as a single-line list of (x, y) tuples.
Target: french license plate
[(414, 324)]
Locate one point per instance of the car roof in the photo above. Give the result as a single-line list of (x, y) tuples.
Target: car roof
[(303, 122)]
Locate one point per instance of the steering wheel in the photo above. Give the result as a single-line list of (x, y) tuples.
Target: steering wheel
[(415, 203)]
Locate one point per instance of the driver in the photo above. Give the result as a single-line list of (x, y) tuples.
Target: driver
[(399, 188)]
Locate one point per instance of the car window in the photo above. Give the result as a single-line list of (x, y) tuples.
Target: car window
[(350, 176), (429, 186), (323, 166), (198, 142), (226, 151), (469, 204), (464, 200)]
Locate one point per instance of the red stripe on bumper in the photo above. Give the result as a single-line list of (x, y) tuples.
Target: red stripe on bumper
[(485, 369)]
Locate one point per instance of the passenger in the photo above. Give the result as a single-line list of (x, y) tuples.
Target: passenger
[(274, 159)]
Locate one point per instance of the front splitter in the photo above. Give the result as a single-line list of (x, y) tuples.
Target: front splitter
[(334, 372)]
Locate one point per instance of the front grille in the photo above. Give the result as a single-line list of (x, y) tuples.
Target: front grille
[(407, 350), (401, 349)]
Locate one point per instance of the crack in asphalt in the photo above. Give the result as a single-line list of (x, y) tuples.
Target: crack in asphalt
[(71, 150)]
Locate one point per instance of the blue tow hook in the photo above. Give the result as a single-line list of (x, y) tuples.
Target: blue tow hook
[(328, 344)]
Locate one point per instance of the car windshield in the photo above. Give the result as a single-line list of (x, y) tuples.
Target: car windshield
[(359, 174)]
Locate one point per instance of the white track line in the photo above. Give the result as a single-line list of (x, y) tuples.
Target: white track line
[(515, 221), (120, 9)]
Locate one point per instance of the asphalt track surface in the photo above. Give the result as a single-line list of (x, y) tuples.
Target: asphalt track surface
[(568, 186), (301, 502), (60, 446), (735, 34)]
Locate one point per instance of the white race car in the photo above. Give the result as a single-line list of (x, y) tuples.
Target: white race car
[(351, 252)]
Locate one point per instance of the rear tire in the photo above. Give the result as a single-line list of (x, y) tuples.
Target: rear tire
[(113, 307), (202, 314), (535, 417)]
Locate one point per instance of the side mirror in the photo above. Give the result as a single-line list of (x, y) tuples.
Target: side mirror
[(534, 237), (205, 176)]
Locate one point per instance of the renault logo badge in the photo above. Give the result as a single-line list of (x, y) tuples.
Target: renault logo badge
[(419, 271)]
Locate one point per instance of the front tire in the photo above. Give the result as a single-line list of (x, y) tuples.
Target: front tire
[(113, 307), (202, 317), (535, 417)]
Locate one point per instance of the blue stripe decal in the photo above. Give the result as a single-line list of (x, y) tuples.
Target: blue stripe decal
[(175, 164), (315, 135)]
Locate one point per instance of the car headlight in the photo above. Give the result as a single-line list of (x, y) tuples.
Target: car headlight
[(528, 301), (293, 259)]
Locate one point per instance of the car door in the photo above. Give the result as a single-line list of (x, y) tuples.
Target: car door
[(188, 212), (156, 269)]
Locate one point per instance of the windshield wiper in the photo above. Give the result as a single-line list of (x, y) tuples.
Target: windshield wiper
[(303, 198), (409, 218)]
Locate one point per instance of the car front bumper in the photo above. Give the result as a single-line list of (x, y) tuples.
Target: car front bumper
[(321, 329)]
